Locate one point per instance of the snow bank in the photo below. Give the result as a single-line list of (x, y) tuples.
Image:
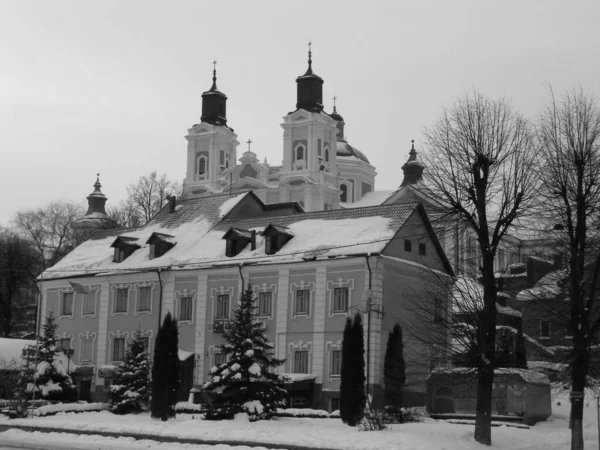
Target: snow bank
[(69, 407)]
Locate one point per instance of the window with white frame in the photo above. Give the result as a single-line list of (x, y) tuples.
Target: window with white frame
[(222, 310), (144, 298), (121, 295), (89, 303), (118, 349), (63, 344), (87, 350), (336, 363), (302, 301), (265, 300), (340, 299), (66, 307), (220, 358), (301, 361), (185, 308)]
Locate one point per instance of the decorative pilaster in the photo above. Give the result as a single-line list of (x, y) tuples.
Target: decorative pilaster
[(103, 307), (282, 316), (200, 336), (319, 323)]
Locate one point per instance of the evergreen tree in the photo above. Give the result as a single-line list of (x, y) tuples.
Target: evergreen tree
[(352, 386), (165, 370), (520, 351), (394, 369), (130, 391), (246, 377), (49, 380)]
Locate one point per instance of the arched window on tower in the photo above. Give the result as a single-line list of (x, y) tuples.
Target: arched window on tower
[(201, 165), (344, 195), (326, 155), (300, 153)]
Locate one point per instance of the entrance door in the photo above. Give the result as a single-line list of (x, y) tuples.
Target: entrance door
[(186, 377), (85, 390)]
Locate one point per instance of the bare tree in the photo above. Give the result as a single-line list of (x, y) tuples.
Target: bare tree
[(49, 229), (18, 268), (124, 215), (148, 195), (569, 132), (479, 155)]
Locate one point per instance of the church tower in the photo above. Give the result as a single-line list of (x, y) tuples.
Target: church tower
[(309, 172), (95, 218), (211, 145)]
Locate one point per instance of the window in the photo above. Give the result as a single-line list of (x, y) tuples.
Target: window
[(230, 248), (222, 158), (119, 254), (220, 358), (118, 349), (145, 298), (544, 329), (326, 155), (299, 153), (407, 245), (439, 311), (201, 166), (302, 301), (336, 362), (301, 362), (340, 299), (89, 303), (344, 196), (121, 300), (66, 308), (63, 344), (222, 311), (264, 303), (185, 308), (319, 147), (269, 245), (422, 248), (87, 347)]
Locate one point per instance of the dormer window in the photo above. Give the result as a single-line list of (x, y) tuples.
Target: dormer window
[(124, 246), (160, 243), (237, 239), (276, 236)]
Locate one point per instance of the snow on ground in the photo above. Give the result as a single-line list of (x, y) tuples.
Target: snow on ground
[(94, 442), (332, 433)]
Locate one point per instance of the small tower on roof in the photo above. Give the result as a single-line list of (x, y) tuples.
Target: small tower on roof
[(309, 88), (413, 168), (214, 103), (95, 218)]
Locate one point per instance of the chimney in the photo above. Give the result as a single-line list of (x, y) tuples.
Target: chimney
[(253, 241), (172, 203)]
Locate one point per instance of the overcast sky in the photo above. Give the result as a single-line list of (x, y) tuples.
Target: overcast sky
[(112, 87)]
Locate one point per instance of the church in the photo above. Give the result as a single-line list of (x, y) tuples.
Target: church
[(312, 237)]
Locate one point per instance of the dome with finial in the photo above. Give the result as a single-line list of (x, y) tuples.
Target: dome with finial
[(413, 168), (309, 88), (95, 218), (214, 103)]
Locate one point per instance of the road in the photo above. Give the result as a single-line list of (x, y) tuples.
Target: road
[(17, 439)]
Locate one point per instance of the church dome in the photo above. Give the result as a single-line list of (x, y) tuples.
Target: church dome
[(345, 149)]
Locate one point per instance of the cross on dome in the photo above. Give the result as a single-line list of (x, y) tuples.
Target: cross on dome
[(248, 142)]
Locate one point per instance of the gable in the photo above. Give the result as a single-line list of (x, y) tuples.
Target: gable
[(418, 231), (249, 206)]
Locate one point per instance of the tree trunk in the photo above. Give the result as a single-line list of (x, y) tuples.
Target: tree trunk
[(578, 387), (483, 417)]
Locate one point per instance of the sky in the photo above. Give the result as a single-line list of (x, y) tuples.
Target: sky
[(111, 87)]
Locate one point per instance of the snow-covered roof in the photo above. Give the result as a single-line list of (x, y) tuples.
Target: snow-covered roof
[(547, 287), (373, 198), (198, 229)]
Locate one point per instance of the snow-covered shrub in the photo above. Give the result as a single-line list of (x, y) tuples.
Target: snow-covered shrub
[(130, 391), (373, 420), (246, 381), (49, 410), (395, 414), (190, 408), (305, 412)]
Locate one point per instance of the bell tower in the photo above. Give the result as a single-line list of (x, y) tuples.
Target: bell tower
[(309, 173), (212, 145)]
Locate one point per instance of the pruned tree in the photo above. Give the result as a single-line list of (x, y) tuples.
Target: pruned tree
[(146, 197), (352, 374), (165, 370), (480, 158), (394, 367), (49, 230), (569, 134), (18, 268)]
